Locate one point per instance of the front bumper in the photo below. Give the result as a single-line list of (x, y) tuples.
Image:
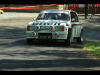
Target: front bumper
[(61, 35)]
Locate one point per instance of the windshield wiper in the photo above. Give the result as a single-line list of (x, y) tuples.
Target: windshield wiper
[(40, 18), (53, 18)]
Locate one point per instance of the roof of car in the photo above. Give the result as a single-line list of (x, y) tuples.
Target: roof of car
[(55, 10)]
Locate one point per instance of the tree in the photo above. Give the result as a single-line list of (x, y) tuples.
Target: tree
[(86, 10)]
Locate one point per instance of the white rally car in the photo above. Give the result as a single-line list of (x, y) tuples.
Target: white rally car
[(55, 25)]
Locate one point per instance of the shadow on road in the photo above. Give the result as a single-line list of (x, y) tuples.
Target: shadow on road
[(48, 64), (41, 55)]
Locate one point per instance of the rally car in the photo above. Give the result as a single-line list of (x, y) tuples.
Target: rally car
[(55, 25), (1, 11)]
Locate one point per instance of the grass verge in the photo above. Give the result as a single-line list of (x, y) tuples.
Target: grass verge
[(93, 47)]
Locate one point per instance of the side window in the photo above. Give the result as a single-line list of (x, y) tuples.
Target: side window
[(73, 15), (76, 17)]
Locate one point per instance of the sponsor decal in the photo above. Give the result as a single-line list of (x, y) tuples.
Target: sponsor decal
[(43, 21), (36, 21)]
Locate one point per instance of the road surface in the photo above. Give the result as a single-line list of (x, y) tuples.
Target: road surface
[(17, 55)]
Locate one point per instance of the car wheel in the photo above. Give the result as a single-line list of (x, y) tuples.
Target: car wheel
[(68, 41), (80, 39), (29, 40)]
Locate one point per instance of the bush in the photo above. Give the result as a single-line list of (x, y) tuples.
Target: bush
[(93, 47)]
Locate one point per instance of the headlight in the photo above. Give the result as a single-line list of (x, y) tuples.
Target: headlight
[(37, 27), (51, 27), (58, 28), (33, 33), (32, 28), (55, 34)]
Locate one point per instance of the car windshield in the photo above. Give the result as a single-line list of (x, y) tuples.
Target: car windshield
[(53, 16)]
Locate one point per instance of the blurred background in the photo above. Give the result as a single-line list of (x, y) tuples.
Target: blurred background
[(79, 8)]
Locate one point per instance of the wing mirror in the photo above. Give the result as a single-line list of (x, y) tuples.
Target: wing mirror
[(34, 19), (73, 19)]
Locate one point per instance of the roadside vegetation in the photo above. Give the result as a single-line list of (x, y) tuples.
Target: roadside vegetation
[(93, 47)]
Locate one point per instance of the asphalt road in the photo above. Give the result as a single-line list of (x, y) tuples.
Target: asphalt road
[(17, 55)]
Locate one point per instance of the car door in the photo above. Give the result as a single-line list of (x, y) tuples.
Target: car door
[(75, 24)]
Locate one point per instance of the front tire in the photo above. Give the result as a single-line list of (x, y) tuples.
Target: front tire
[(68, 41)]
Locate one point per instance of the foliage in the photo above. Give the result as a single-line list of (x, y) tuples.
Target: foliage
[(93, 47)]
